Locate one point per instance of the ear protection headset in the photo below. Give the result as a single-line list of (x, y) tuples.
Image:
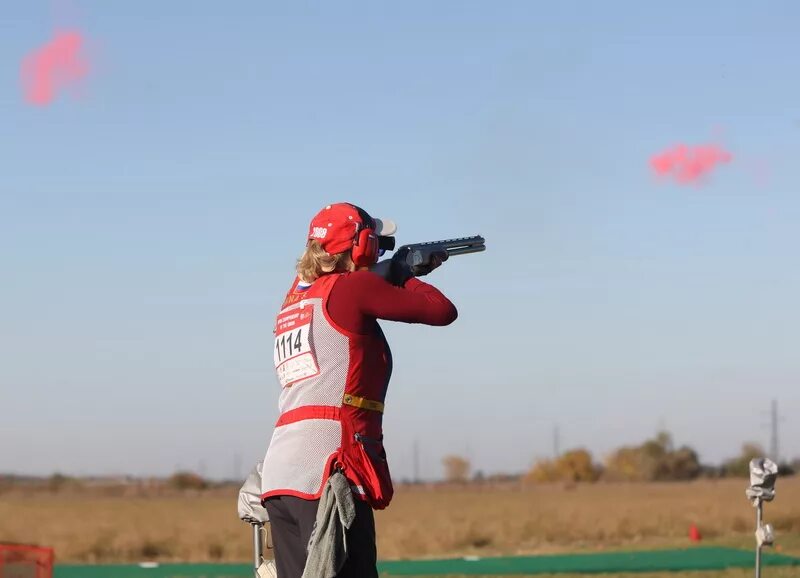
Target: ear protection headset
[(365, 242)]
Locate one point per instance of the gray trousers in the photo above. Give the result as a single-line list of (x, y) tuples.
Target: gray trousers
[(291, 520)]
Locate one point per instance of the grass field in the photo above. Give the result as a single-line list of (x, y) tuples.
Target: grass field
[(738, 573), (203, 526)]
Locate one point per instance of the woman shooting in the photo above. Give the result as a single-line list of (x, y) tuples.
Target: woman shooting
[(334, 364)]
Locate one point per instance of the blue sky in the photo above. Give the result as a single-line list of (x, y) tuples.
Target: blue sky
[(149, 226)]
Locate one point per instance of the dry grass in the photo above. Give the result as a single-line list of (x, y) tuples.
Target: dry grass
[(735, 573), (203, 526), (584, 517)]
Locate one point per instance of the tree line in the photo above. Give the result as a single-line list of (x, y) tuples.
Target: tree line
[(654, 460)]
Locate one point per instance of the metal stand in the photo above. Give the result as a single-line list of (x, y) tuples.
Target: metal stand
[(252, 511), (763, 473), (258, 548), (759, 513)]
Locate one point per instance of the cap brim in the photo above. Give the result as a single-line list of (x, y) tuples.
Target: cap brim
[(385, 227)]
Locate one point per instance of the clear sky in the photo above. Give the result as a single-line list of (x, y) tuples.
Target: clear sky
[(149, 224)]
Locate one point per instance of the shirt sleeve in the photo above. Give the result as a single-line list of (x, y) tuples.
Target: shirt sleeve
[(364, 295)]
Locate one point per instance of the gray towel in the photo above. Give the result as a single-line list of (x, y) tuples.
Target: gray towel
[(327, 547)]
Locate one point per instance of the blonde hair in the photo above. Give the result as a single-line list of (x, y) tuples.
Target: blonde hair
[(315, 262)]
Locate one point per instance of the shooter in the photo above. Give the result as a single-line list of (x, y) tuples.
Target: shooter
[(325, 469)]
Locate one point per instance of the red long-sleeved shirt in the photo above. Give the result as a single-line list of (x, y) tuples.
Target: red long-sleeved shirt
[(361, 297)]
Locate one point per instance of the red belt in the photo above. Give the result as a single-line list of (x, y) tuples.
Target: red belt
[(309, 412)]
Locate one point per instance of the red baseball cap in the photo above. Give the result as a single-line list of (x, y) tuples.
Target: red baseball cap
[(336, 226)]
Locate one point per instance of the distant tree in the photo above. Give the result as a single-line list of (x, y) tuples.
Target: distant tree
[(681, 464), (57, 482), (630, 464), (572, 466), (187, 481), (456, 468), (543, 471), (664, 441), (502, 477), (739, 467), (654, 460), (577, 466)]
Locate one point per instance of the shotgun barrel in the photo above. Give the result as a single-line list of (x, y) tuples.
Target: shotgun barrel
[(420, 253)]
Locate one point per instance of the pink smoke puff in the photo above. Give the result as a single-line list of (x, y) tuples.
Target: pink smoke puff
[(55, 65), (689, 164)]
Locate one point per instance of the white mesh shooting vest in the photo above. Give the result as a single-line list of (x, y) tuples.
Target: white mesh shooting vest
[(309, 432), (334, 386)]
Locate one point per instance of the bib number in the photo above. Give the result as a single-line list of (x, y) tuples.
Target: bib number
[(293, 356)]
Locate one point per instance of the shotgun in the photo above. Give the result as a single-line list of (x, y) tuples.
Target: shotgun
[(419, 254)]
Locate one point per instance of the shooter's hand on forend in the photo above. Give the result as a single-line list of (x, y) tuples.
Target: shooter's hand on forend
[(436, 259), (401, 271)]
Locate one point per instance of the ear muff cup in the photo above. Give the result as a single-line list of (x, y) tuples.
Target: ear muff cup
[(365, 248)]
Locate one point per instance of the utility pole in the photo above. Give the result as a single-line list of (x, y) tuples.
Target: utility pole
[(773, 445), (237, 466), (416, 462), (556, 442), (775, 420)]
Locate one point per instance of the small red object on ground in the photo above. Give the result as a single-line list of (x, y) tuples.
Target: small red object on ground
[(694, 533), (25, 561)]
